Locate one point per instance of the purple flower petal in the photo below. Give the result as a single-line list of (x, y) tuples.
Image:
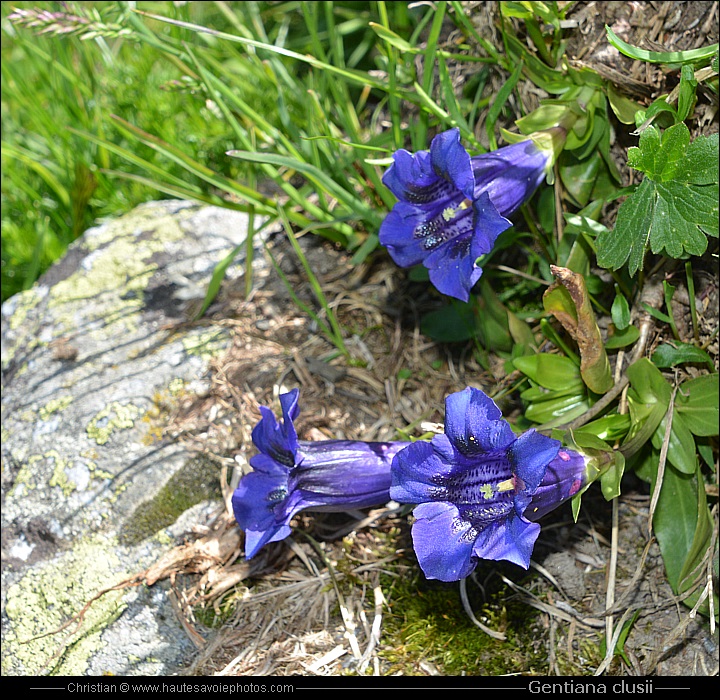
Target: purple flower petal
[(511, 174), (511, 539), (565, 476), (271, 438), (414, 470), (530, 455), (443, 542), (452, 270), (474, 424), (254, 502), (411, 179), (489, 224), (452, 162)]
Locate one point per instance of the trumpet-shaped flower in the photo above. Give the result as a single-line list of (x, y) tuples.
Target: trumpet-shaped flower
[(290, 475), (453, 206), (473, 485)]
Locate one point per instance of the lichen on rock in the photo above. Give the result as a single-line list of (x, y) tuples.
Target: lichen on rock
[(84, 353)]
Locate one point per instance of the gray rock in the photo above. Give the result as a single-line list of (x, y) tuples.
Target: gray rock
[(90, 489)]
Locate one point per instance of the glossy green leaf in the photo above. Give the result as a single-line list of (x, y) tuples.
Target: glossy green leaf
[(621, 339), (537, 394), (611, 479), (623, 107), (697, 402), (681, 444), (391, 37), (620, 312), (556, 412), (675, 520), (549, 371), (677, 353), (610, 428), (648, 400), (577, 223), (702, 539), (544, 117), (691, 56), (686, 92)]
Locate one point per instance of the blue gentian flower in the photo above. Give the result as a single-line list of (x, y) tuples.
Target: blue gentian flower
[(473, 485), (290, 475), (453, 206), (568, 474)]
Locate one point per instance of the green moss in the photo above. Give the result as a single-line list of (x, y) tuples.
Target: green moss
[(196, 481), (46, 597), (114, 417), (427, 622)]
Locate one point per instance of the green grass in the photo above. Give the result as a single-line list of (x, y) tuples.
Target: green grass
[(55, 182), (153, 102)]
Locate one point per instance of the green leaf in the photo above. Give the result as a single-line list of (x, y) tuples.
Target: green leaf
[(697, 402), (681, 445), (501, 98), (686, 92), (660, 56), (621, 339), (391, 37), (557, 411), (622, 638), (675, 520), (492, 320), (450, 324), (676, 205), (577, 223), (702, 540), (610, 428), (611, 478), (549, 371), (623, 107), (669, 355), (620, 312), (648, 400), (568, 300)]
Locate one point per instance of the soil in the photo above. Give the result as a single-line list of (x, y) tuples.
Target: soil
[(333, 599)]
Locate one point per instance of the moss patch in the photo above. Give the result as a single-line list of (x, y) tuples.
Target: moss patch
[(196, 481), (427, 622)]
